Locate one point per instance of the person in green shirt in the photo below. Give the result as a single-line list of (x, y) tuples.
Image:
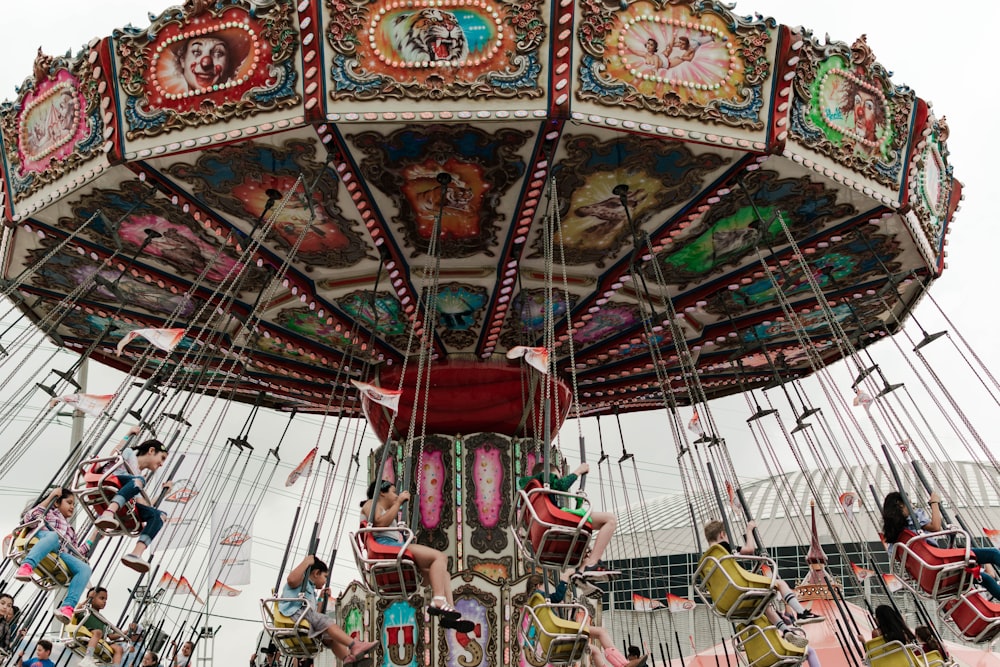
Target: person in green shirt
[(97, 600), (603, 523)]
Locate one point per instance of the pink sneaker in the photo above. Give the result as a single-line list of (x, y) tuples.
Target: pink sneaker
[(24, 572), (65, 614)]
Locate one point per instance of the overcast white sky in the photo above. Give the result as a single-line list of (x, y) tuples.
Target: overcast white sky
[(933, 47)]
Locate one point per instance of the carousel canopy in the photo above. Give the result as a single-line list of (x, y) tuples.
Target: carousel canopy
[(302, 187)]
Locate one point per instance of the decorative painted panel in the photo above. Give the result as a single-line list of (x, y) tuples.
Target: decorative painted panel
[(659, 174), (479, 647), (846, 107), (205, 63), (483, 166), (488, 491), (691, 59), (54, 126), (435, 49), (432, 474), (400, 633), (236, 180)]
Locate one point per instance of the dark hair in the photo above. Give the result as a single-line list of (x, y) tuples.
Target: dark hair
[(633, 652), (98, 589), (319, 566), (45, 644), (534, 581), (145, 447), (63, 495), (892, 625), (384, 486), (156, 658), (7, 595), (894, 521), (714, 530)]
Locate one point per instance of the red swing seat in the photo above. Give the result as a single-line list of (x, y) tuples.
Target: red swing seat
[(388, 571), (548, 535), (935, 572), (96, 486), (973, 615)]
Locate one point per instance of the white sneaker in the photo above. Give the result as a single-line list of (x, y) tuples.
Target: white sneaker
[(87, 661)]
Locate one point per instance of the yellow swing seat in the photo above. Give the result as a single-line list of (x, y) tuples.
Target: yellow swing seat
[(51, 571), (75, 635), (289, 633), (731, 591), (550, 639), (760, 644)]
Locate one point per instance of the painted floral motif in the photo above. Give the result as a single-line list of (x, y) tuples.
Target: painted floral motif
[(527, 317), (933, 185), (205, 65), (234, 180), (449, 49), (699, 61), (460, 309), (406, 164), (846, 107), (611, 320)]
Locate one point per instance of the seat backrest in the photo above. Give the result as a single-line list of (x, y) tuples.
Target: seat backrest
[(727, 580), (552, 625), (765, 646)]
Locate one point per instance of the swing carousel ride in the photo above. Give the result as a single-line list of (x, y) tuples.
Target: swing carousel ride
[(465, 220)]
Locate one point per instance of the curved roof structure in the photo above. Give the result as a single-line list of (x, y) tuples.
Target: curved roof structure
[(282, 208), (781, 507)]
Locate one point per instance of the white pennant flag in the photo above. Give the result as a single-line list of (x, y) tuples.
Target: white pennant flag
[(163, 339), (537, 357), (695, 424), (90, 404), (232, 536), (387, 397), (864, 399), (183, 503)]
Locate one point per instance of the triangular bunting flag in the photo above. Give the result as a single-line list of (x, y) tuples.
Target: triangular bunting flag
[(387, 397), (536, 357), (91, 404), (220, 588), (163, 339), (678, 603), (303, 469), (640, 603)]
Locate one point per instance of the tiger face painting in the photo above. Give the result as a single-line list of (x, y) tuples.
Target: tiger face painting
[(429, 35)]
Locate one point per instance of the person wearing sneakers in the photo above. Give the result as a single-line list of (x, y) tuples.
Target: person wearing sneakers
[(58, 536), (433, 564), (149, 455), (302, 582), (42, 652), (715, 533), (604, 523), (97, 600)]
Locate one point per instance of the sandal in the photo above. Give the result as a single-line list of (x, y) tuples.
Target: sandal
[(444, 610)]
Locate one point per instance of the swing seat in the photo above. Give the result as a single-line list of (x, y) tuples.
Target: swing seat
[(550, 639), (51, 570), (388, 571), (96, 486), (547, 535), (973, 615), (289, 633), (760, 644), (880, 653), (75, 635), (731, 591), (932, 571)]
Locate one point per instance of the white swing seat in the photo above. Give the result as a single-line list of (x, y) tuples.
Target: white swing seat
[(759, 644), (973, 615), (52, 571), (933, 572), (386, 570), (547, 535), (731, 591), (551, 639), (880, 653), (289, 633), (75, 636), (95, 487)]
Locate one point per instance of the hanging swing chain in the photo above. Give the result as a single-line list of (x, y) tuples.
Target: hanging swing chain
[(570, 345)]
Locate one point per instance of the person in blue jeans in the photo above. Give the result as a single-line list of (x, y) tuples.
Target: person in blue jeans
[(42, 652), (58, 536), (896, 518), (149, 455)]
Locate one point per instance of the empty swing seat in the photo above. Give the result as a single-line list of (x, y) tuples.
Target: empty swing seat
[(289, 633), (973, 615), (550, 639), (51, 571), (760, 644), (932, 571), (96, 486), (76, 634), (731, 591), (548, 535), (388, 571)]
